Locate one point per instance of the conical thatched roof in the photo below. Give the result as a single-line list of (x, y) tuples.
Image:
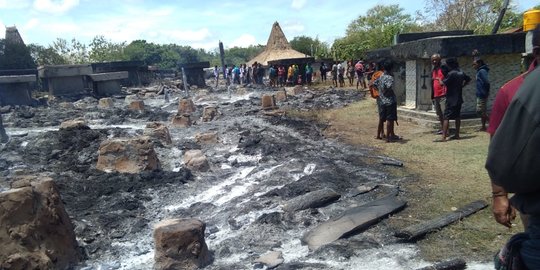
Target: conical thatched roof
[(277, 48)]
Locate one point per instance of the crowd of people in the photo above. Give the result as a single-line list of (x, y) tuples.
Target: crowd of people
[(357, 73), (278, 75)]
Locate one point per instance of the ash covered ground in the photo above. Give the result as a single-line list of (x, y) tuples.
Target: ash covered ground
[(261, 161)]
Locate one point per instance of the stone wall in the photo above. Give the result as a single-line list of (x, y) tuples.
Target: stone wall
[(502, 68)]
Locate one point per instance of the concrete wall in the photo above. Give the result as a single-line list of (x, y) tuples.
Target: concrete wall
[(502, 67), (15, 94), (66, 86), (107, 88)]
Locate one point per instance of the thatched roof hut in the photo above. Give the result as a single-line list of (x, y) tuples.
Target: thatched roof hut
[(277, 48)]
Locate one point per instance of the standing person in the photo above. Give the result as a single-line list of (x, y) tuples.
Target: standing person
[(359, 68), (341, 74), (501, 207), (454, 82), (236, 74), (323, 69), (512, 164), (335, 74), (255, 69), (482, 90), (375, 94), (242, 73), (309, 73), (350, 72), (438, 89), (281, 76), (385, 86), (272, 74), (260, 74), (226, 75), (368, 72), (290, 73), (216, 74)]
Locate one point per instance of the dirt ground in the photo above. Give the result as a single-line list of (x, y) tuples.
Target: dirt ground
[(439, 177)]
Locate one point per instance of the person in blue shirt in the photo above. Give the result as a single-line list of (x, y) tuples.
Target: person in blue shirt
[(482, 90)]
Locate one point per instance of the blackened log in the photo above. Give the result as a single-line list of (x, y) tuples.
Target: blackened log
[(454, 264), (413, 232)]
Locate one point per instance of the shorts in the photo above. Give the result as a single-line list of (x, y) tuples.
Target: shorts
[(439, 103), (481, 106), (452, 112), (388, 112)]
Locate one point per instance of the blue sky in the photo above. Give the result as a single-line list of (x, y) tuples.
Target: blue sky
[(200, 24)]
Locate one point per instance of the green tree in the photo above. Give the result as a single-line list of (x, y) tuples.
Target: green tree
[(310, 46), (15, 56), (477, 15), (140, 50), (46, 55), (74, 51), (103, 50), (238, 55), (374, 30)]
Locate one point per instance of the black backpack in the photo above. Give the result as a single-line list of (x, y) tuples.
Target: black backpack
[(513, 160)]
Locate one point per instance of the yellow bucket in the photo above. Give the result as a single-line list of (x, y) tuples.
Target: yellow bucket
[(530, 19)]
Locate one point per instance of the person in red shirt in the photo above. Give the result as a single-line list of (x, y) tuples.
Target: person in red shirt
[(438, 89), (503, 212)]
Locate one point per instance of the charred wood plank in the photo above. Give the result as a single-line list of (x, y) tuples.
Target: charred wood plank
[(415, 231), (390, 162), (454, 264), (313, 199), (352, 220)]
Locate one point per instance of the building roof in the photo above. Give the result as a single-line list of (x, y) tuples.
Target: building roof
[(12, 35), (453, 46), (277, 48)]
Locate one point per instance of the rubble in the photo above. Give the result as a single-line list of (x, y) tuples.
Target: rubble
[(232, 171), (36, 230)]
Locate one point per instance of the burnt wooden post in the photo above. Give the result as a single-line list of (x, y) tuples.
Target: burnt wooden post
[(222, 58), (416, 231), (3, 135)]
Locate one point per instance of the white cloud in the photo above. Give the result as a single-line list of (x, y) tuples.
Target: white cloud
[(61, 30), (55, 6), (2, 30), (31, 24), (187, 35), (294, 28), (160, 12), (207, 46), (12, 4), (298, 4), (243, 41)]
